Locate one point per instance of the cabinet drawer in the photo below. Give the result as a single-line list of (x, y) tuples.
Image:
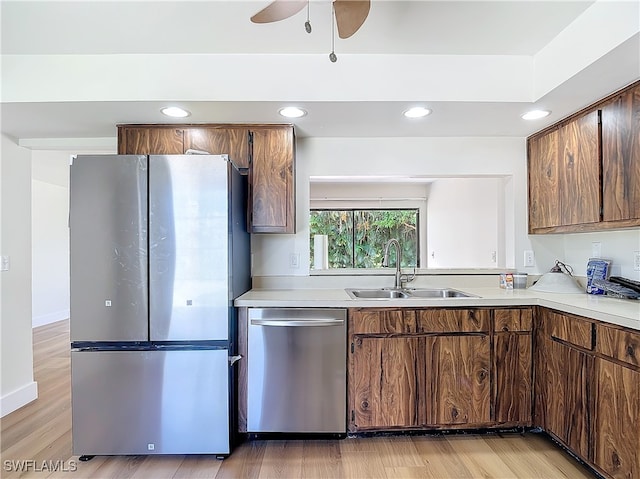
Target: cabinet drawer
[(381, 321), (512, 320), (571, 330), (452, 320), (618, 344)]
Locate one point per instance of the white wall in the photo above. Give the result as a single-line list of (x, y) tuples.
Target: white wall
[(438, 157), (441, 157), (618, 246), (50, 233), (50, 236), (464, 226), (50, 250), (17, 386)]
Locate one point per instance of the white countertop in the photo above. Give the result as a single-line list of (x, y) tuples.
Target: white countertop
[(621, 312)]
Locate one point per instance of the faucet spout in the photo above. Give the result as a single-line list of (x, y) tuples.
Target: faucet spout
[(385, 260)]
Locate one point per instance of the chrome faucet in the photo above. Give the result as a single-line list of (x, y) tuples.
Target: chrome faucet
[(400, 278), (385, 260)]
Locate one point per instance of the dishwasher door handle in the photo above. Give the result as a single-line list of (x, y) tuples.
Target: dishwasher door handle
[(309, 323)]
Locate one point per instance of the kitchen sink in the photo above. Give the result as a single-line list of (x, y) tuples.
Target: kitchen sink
[(439, 293), (377, 293), (407, 293)]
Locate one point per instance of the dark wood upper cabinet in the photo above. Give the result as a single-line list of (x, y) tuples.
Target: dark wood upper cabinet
[(584, 172), (544, 186), (150, 141), (621, 156), (272, 180), (579, 171), (265, 152), (220, 141), (564, 175)]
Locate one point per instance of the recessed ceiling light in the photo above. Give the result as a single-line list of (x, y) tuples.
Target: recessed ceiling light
[(535, 114), (175, 112), (292, 112), (417, 112)]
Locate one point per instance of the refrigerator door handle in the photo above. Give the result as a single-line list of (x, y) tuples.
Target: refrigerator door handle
[(309, 323), (234, 359)]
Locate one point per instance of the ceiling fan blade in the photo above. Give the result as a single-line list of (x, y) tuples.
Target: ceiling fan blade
[(279, 10), (350, 15)]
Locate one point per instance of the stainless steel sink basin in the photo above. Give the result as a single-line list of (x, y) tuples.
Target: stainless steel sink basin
[(376, 293), (438, 293), (407, 293)]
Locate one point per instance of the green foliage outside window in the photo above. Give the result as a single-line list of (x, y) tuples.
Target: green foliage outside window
[(357, 237)]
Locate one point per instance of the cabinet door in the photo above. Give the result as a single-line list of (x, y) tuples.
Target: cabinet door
[(513, 370), (544, 186), (617, 410), (384, 383), (442, 320), (272, 181), (220, 141), (563, 390), (373, 321), (150, 141), (580, 170), (621, 157), (457, 388)]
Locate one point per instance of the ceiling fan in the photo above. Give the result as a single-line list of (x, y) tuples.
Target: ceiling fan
[(349, 15)]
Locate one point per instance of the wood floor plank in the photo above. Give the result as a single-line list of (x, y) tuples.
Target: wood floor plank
[(440, 458), (198, 467), (359, 464), (41, 431), (245, 461), (321, 459), (478, 457)]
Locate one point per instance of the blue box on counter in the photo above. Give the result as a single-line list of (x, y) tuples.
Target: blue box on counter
[(597, 268)]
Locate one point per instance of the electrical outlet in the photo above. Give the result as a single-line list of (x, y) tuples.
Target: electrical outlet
[(5, 263), (636, 260), (294, 260), (529, 259)]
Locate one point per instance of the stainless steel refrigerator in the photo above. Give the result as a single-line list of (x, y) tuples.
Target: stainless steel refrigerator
[(159, 250)]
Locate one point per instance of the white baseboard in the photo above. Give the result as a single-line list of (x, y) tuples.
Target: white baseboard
[(18, 398), (49, 318)]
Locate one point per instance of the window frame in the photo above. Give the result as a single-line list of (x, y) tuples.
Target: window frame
[(353, 234)]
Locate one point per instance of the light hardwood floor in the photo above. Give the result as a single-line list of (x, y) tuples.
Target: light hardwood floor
[(38, 438)]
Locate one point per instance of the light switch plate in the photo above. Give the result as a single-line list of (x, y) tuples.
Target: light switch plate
[(636, 260), (5, 263), (596, 249)]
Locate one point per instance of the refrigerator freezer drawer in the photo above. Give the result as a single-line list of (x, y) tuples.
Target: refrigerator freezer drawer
[(150, 402)]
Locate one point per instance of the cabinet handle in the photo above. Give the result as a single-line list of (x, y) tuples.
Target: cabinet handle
[(631, 351)]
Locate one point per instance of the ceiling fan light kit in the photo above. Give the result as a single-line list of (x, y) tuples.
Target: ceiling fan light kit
[(347, 15)]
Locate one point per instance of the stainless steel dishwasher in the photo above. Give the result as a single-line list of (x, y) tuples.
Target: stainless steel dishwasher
[(297, 370)]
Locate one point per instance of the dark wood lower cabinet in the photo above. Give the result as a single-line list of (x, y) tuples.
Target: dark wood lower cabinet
[(405, 376), (458, 385), (385, 386), (563, 394), (616, 413), (512, 359), (587, 391)]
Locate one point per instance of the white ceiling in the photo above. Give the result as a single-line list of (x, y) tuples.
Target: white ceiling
[(415, 33)]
